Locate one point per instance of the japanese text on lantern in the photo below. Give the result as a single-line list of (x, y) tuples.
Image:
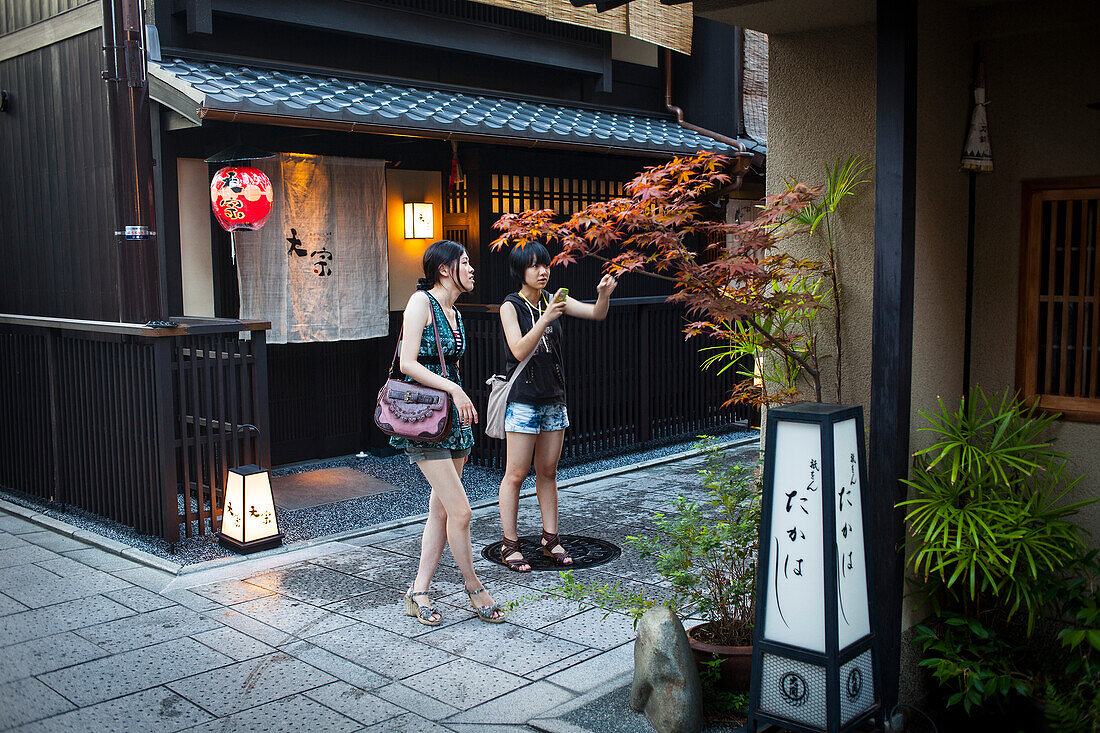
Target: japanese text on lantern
[(851, 575), (796, 612)]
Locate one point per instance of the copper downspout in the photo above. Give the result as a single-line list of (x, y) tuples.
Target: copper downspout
[(140, 293), (742, 158)]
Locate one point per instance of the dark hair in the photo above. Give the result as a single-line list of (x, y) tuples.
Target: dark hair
[(529, 255), (443, 253)]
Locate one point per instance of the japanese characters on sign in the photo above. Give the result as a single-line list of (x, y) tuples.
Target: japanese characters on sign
[(796, 605), (854, 620)]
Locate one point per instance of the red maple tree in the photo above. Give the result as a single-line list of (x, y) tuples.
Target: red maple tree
[(735, 283)]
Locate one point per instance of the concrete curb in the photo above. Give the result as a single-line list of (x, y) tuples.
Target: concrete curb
[(167, 566), (91, 538)]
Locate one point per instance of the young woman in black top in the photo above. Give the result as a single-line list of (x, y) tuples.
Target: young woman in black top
[(536, 418)]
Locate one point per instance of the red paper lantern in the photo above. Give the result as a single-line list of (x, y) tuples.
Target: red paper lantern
[(241, 198)]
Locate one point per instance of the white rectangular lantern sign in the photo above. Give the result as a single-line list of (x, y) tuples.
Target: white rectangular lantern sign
[(812, 657)]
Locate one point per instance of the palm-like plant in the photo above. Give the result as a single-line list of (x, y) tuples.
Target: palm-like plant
[(841, 181), (988, 518)]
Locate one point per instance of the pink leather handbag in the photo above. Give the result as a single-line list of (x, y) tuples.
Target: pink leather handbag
[(410, 410)]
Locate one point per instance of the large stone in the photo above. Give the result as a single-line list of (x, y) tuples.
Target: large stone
[(666, 682)]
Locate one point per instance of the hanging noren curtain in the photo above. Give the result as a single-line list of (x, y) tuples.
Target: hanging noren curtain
[(319, 269)]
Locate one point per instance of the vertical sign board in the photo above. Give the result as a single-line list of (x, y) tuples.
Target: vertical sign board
[(813, 666)]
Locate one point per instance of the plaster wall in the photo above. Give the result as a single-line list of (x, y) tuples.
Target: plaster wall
[(194, 213), (821, 106), (406, 254), (1039, 127)]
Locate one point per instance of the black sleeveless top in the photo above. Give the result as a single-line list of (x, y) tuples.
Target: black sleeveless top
[(542, 381)]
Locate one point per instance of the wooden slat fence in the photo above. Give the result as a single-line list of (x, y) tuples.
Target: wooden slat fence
[(133, 423), (631, 380)]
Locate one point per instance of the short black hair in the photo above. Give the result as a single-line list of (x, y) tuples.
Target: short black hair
[(529, 255)]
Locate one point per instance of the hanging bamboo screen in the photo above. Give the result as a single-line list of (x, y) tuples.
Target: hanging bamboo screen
[(511, 194), (668, 26), (1058, 357)]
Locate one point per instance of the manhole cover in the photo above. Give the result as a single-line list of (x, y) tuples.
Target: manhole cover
[(586, 552)]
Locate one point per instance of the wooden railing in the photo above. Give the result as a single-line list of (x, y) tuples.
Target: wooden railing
[(133, 423), (631, 380)]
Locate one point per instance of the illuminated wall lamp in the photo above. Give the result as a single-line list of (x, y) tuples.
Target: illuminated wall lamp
[(249, 521), (419, 221)]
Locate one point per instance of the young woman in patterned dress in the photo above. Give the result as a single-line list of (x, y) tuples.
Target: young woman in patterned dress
[(447, 274)]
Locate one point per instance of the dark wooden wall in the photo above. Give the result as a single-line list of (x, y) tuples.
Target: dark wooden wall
[(16, 14), (56, 211)]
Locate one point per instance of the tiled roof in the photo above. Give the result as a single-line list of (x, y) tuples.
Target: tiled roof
[(248, 89)]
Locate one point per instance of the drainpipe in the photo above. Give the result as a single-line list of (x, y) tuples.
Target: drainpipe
[(128, 109), (742, 158)]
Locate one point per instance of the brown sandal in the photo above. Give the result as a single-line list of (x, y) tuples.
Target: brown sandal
[(511, 547), (550, 540)]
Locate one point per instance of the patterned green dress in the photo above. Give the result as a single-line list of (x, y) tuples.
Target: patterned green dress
[(461, 436)]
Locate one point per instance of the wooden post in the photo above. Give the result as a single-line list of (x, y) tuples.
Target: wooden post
[(167, 483), (892, 324)]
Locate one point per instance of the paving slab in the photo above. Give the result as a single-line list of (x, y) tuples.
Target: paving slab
[(24, 555), (516, 707), (39, 622), (27, 700), (100, 559), (381, 651), (229, 592), (595, 628), (408, 723), (158, 710), (464, 683), (295, 617), (37, 656), (145, 629), (9, 605), (52, 541), (313, 583), (335, 665), (515, 649), (596, 671), (138, 599), (253, 682), (122, 674), (357, 704), (294, 714), (425, 705), (236, 645)]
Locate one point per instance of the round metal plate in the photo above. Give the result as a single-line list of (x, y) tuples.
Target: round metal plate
[(586, 552)]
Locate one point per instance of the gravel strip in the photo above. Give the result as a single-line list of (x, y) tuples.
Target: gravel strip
[(409, 499)]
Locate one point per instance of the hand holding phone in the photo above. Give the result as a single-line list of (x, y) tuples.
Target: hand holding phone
[(561, 295)]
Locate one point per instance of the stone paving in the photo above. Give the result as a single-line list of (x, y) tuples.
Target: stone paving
[(314, 639)]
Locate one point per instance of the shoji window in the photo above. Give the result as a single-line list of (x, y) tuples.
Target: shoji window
[(1058, 344)]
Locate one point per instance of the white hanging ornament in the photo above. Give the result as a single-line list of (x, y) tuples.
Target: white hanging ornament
[(977, 154)]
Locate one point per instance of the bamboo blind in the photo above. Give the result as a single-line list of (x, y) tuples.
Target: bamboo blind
[(668, 26)]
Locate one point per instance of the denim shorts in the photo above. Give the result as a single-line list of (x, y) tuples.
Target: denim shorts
[(417, 454), (535, 419)]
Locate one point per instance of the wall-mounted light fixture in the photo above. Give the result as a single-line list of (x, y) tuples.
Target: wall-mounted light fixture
[(419, 221)]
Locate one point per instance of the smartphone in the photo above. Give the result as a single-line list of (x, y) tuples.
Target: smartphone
[(561, 295)]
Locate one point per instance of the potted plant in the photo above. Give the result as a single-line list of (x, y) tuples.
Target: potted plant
[(992, 549), (707, 553)]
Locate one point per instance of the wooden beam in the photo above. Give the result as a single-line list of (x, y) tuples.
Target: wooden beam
[(48, 32), (892, 324)]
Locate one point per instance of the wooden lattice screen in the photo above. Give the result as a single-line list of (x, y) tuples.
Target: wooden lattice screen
[(1058, 358)]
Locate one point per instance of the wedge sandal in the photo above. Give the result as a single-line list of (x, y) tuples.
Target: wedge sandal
[(511, 547), (551, 540), (423, 614), (485, 613)]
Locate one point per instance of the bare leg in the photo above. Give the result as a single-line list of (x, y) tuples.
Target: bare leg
[(521, 447), (434, 537), (447, 486), (547, 453)]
